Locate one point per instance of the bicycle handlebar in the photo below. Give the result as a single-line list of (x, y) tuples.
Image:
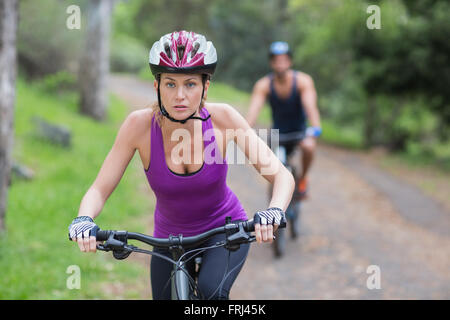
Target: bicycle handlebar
[(291, 137), (230, 228)]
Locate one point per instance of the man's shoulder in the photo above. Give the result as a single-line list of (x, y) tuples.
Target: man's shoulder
[(302, 76), (303, 79), (263, 83)]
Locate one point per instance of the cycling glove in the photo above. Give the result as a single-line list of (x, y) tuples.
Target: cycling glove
[(82, 227), (270, 216)]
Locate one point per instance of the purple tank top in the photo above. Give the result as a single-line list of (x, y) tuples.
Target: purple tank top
[(191, 204)]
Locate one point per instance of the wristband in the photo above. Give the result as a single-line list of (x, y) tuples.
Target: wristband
[(313, 132)]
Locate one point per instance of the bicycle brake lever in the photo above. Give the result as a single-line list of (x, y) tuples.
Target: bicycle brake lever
[(123, 253), (234, 240), (112, 244), (115, 244), (103, 248)]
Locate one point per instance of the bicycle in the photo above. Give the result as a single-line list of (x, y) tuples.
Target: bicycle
[(287, 147), (184, 286)]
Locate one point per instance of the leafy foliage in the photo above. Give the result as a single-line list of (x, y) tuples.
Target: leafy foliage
[(378, 83)]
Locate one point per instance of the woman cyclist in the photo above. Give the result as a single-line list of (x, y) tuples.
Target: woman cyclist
[(182, 143)]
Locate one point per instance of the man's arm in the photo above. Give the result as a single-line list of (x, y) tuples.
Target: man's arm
[(259, 94), (309, 99)]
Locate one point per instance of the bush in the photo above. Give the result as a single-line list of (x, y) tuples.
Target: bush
[(59, 82), (128, 55), (44, 44)]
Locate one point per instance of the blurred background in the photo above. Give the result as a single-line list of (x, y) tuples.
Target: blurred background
[(382, 169)]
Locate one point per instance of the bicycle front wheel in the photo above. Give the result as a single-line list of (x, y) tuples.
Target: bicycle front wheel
[(294, 220)]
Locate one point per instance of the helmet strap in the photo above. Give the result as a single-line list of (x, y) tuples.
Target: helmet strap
[(168, 116)]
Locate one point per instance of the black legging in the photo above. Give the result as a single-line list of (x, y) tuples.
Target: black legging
[(213, 267)]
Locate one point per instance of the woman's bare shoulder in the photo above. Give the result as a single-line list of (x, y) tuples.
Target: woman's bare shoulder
[(139, 119), (137, 124), (225, 116)]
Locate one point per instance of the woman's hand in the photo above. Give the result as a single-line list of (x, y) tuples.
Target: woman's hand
[(83, 230), (266, 223)]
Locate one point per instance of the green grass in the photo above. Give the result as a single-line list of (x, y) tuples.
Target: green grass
[(221, 92), (146, 74), (239, 99), (35, 252), (418, 161), (344, 137)]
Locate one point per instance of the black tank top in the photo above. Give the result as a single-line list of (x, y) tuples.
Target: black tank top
[(287, 114)]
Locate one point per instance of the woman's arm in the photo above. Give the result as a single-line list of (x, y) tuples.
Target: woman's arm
[(109, 176), (263, 160), (112, 168)]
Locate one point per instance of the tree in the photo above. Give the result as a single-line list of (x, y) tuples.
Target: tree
[(242, 32), (46, 46), (8, 28), (94, 67), (409, 61)]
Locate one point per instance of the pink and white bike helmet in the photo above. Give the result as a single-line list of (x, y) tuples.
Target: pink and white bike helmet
[(182, 52)]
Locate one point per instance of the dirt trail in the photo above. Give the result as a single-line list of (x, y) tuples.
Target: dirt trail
[(357, 216)]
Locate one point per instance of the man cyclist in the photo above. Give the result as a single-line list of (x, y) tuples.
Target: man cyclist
[(293, 100)]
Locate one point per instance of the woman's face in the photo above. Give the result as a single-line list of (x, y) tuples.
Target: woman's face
[(181, 93)]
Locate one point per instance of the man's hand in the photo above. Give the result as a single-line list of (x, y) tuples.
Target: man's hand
[(313, 132)]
